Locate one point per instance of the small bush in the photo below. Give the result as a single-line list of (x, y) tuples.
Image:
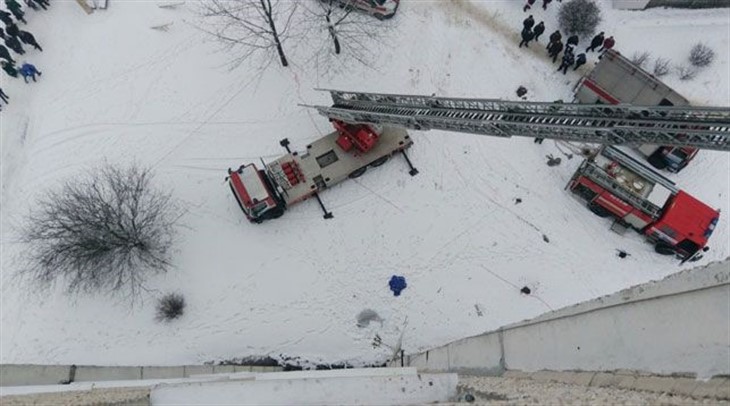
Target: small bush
[(580, 17), (640, 58), (701, 55), (686, 72), (170, 307), (661, 67)]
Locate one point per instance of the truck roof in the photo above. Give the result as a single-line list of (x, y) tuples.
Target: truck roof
[(253, 189), (690, 216)]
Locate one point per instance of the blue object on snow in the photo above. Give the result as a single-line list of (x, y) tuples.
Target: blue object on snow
[(397, 284)]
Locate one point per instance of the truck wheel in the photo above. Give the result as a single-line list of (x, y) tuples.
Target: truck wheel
[(357, 172), (380, 161), (599, 210), (664, 249)]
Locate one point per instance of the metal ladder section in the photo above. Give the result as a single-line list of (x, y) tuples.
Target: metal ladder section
[(700, 127)]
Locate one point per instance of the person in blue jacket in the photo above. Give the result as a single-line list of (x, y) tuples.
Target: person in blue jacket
[(28, 70)]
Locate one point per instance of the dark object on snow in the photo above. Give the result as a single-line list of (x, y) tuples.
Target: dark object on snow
[(521, 91), (4, 96), (9, 68), (608, 43), (545, 238), (596, 42), (538, 30), (623, 254), (5, 54), (469, 398), (525, 290), (29, 39), (538, 140), (29, 71), (580, 60), (16, 9), (528, 22), (527, 36), (43, 3), (528, 5), (518, 200), (545, 4), (397, 284), (170, 307), (366, 316), (2, 33), (553, 161), (555, 49), (701, 55), (31, 4), (572, 41)]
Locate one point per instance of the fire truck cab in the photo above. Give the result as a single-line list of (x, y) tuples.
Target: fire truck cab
[(616, 185), (617, 80), (255, 194)]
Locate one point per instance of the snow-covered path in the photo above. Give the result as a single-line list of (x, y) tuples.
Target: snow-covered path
[(115, 91)]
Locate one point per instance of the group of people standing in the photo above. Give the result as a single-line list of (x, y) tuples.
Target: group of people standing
[(14, 39), (531, 32)]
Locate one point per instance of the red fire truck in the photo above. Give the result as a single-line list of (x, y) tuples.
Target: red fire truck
[(616, 80), (616, 185)]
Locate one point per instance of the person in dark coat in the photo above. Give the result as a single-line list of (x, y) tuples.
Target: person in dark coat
[(6, 18), (4, 97), (5, 54), (527, 36), (545, 4), (538, 30), (554, 37), (16, 9), (43, 3), (31, 4), (2, 33), (29, 71), (580, 60), (29, 39), (14, 44), (596, 42), (568, 60), (608, 43), (555, 49), (572, 41), (528, 23), (9, 68), (528, 5), (12, 30)]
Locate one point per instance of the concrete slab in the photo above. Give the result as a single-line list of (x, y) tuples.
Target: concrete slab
[(19, 375), (479, 354), (684, 386), (717, 388), (93, 373), (576, 378), (437, 359), (163, 372), (242, 368), (198, 370), (661, 384)]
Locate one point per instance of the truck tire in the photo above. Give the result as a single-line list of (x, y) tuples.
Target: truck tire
[(599, 210), (357, 172), (380, 161), (664, 249)]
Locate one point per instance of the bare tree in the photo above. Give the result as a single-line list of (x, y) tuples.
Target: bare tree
[(249, 27), (661, 67), (102, 233), (342, 31)]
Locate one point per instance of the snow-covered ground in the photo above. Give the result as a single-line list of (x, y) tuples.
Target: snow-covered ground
[(115, 90)]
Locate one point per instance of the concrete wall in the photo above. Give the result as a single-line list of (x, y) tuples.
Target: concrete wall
[(680, 324)]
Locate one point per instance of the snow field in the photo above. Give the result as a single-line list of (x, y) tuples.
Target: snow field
[(115, 91)]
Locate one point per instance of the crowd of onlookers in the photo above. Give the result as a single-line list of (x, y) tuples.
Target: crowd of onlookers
[(14, 38)]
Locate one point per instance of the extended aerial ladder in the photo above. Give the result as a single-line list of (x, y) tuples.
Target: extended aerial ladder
[(700, 127)]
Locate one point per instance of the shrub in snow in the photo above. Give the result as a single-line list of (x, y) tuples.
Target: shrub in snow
[(104, 232), (640, 58), (686, 72), (661, 67), (701, 55), (580, 17), (170, 307)]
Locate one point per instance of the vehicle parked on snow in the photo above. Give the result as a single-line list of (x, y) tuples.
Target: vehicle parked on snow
[(616, 185), (380, 9), (616, 80)]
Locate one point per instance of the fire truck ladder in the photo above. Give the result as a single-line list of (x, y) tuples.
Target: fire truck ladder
[(623, 124)]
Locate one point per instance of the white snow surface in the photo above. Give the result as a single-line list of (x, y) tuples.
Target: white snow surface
[(113, 90)]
